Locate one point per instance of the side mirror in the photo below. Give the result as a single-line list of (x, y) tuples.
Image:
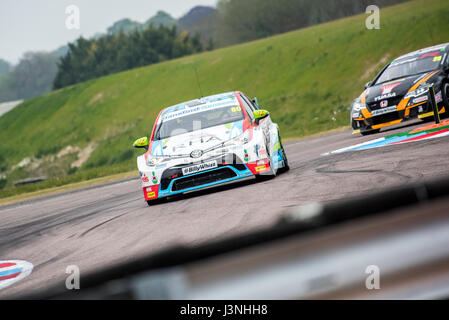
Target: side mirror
[(141, 143), (255, 102), (259, 115), (368, 84)]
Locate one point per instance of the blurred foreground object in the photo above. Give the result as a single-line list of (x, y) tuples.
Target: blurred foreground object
[(319, 251)]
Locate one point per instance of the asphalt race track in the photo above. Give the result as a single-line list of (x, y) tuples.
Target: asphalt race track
[(97, 227)]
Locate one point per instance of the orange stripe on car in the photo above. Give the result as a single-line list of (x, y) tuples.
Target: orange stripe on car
[(366, 113), (403, 104), (363, 97), (386, 124), (407, 110)]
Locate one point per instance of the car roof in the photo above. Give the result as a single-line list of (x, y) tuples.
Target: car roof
[(441, 47), (228, 97)]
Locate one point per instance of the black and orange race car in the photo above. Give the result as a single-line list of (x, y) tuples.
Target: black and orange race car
[(401, 91)]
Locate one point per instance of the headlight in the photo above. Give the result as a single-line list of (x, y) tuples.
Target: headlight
[(154, 161), (241, 139), (424, 88), (356, 107)]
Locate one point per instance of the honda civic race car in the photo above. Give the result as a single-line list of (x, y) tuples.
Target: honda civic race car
[(401, 91), (208, 142)]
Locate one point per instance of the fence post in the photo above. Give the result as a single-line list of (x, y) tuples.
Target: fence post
[(434, 104)]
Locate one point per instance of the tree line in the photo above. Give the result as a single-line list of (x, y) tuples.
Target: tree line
[(91, 58), (246, 20), (129, 44), (31, 77)]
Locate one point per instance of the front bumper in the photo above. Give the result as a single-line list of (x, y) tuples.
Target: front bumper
[(421, 110), (230, 168)]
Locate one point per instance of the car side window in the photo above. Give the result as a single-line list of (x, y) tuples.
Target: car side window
[(249, 110)]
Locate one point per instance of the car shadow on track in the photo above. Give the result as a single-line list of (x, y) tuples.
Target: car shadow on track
[(219, 188), (413, 123), (404, 125)]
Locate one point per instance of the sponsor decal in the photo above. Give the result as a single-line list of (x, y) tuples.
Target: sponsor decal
[(145, 178), (12, 271), (200, 167), (259, 166), (151, 195), (438, 97), (151, 189), (383, 111), (246, 158), (420, 99), (154, 179), (256, 149), (388, 88), (427, 55), (151, 192), (177, 114), (263, 152), (385, 96)]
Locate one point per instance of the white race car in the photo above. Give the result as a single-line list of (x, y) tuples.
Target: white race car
[(209, 142)]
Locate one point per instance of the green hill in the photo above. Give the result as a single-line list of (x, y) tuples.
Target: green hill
[(306, 78)]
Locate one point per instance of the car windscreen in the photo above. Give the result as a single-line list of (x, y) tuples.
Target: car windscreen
[(398, 70), (197, 121)]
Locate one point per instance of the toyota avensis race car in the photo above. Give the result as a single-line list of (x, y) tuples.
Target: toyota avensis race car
[(208, 142), (401, 91)]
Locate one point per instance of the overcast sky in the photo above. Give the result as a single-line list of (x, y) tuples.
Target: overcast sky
[(34, 25)]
